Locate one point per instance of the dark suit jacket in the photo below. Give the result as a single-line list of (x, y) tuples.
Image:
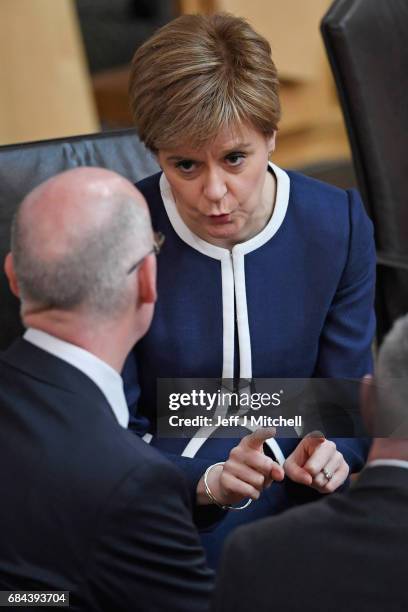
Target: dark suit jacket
[(87, 506), (348, 552)]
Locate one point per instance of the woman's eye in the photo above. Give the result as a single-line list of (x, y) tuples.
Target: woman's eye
[(186, 165), (235, 159)]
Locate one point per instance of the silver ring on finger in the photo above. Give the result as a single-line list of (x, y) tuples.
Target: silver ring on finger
[(327, 473)]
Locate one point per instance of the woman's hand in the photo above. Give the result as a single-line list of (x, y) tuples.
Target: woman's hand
[(246, 472), (317, 463)]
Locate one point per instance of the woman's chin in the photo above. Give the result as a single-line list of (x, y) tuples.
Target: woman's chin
[(227, 232)]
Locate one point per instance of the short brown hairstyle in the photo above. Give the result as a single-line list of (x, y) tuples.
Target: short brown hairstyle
[(199, 74)]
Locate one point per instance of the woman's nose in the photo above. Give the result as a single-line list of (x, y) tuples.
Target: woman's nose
[(215, 187)]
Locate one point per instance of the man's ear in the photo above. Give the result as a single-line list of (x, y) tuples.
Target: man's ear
[(367, 401), (11, 275), (146, 276)]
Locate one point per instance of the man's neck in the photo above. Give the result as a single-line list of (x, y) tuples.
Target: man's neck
[(109, 341), (389, 448)]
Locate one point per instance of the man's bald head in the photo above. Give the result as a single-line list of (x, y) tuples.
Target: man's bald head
[(69, 205), (75, 236)]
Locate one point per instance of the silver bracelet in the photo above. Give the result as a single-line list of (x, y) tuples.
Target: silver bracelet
[(211, 496)]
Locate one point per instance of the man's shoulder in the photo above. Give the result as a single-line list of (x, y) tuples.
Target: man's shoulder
[(303, 524), (25, 366), (45, 392), (91, 455), (152, 462), (149, 473)]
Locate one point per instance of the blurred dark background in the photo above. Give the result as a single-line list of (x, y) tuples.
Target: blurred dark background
[(113, 29)]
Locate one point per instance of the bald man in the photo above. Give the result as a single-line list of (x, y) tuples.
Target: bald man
[(87, 506)]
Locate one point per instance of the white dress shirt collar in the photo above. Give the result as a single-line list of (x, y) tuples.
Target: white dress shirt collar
[(390, 462), (105, 378)]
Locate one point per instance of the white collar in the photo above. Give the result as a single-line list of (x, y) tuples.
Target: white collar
[(389, 462), (105, 378), (274, 223)]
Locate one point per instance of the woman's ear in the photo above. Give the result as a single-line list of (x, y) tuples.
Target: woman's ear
[(271, 142), (11, 275), (156, 155)]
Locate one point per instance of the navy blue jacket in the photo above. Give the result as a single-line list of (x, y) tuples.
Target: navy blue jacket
[(301, 291), (348, 552), (86, 506)]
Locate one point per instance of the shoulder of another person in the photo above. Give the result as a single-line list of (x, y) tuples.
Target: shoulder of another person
[(299, 524), (153, 469)]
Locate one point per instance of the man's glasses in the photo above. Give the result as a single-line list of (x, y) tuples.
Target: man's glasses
[(158, 240)]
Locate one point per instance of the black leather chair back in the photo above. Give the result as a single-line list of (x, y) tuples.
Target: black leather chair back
[(366, 42), (24, 166)]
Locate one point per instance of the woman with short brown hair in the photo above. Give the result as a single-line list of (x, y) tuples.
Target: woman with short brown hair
[(264, 273), (198, 75)]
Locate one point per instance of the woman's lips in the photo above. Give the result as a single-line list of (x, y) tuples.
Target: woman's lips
[(220, 219)]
